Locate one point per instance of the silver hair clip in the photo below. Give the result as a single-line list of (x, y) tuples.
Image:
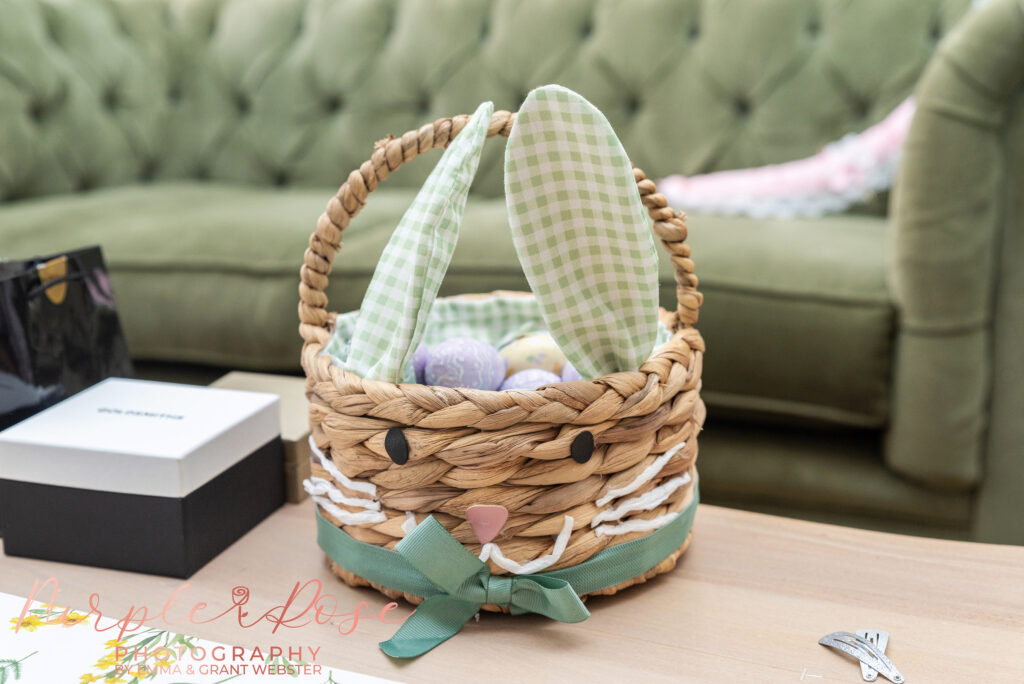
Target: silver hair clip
[(869, 651), (880, 640)]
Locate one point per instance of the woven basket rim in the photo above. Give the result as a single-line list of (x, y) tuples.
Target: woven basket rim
[(677, 335)]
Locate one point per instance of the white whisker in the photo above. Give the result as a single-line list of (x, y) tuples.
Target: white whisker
[(319, 487), (347, 518), (636, 525), (491, 550), (328, 464), (644, 502), (643, 478)]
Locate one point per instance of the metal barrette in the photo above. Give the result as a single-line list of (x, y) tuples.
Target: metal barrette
[(880, 640), (867, 646)]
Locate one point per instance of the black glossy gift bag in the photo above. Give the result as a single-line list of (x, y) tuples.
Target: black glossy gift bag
[(59, 331)]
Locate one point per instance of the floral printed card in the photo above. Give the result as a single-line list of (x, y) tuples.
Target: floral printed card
[(42, 644)]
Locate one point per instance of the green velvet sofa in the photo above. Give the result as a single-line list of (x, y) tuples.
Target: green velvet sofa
[(864, 369)]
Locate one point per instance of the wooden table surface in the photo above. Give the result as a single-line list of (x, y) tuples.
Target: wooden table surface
[(747, 603)]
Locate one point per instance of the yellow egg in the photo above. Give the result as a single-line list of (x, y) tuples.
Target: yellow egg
[(537, 350)]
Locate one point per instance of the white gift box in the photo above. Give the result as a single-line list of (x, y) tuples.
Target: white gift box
[(136, 475)]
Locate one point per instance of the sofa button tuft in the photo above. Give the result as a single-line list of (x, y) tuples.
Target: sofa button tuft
[(242, 104), (332, 104), (861, 109), (37, 111), (111, 99), (147, 170), (52, 32)]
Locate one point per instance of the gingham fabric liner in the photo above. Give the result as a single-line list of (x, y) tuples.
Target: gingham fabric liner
[(581, 232), (496, 319), (402, 290)]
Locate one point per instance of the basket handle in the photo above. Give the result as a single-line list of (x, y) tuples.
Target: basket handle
[(389, 154)]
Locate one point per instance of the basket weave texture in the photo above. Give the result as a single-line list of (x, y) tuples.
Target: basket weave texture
[(510, 448)]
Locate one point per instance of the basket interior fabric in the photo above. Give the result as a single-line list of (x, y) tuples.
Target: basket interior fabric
[(496, 319)]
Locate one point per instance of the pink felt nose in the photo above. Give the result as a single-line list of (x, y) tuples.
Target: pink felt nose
[(486, 520)]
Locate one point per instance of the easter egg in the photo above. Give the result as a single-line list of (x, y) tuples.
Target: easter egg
[(569, 372), (533, 351), (464, 362), (529, 379), (419, 362)]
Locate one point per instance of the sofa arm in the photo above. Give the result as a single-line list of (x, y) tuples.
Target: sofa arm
[(954, 217)]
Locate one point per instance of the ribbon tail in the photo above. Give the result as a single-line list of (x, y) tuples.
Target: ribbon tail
[(548, 596), (436, 620)]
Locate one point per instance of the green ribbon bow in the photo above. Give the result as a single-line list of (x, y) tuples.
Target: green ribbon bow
[(466, 585), (430, 562)]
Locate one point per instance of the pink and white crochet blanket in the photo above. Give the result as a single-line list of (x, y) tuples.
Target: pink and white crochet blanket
[(842, 174)]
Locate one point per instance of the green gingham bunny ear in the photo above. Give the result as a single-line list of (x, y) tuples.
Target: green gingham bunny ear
[(582, 233), (397, 302)]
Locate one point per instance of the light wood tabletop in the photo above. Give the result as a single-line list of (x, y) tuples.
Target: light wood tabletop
[(747, 603)]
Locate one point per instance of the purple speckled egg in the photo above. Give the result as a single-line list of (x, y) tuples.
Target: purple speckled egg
[(529, 379), (464, 362), (419, 362), (569, 372)]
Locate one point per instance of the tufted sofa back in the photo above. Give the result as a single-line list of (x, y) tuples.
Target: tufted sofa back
[(278, 92)]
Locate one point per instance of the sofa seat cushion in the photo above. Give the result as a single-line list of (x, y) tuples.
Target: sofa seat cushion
[(836, 475), (797, 315)]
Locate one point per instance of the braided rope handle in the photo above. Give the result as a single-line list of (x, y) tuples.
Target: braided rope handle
[(389, 154)]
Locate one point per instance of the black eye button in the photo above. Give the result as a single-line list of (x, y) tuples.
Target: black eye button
[(396, 446), (582, 447)]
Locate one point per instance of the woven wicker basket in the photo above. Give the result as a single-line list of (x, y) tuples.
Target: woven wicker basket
[(508, 448)]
